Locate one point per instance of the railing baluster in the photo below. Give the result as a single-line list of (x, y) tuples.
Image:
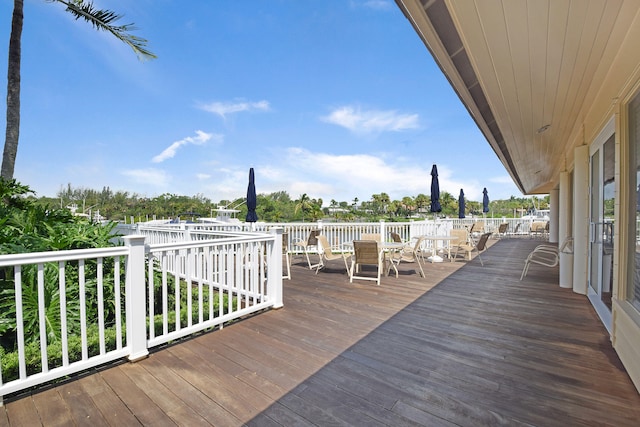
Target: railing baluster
[(42, 320), (62, 288), (99, 284), (83, 310)]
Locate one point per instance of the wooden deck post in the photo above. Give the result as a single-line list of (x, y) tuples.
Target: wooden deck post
[(135, 300)]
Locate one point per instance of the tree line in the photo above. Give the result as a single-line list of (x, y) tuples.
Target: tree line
[(275, 207)]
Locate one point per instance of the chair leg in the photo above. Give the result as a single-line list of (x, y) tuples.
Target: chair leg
[(288, 261), (347, 267), (525, 270), (420, 265)]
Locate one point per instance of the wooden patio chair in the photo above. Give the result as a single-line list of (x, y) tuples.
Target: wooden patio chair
[(327, 254), (310, 242), (366, 252)]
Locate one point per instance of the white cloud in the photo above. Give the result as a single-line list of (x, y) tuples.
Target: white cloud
[(373, 4), (372, 121), (378, 4), (169, 152), (224, 108), (203, 176), (154, 177)]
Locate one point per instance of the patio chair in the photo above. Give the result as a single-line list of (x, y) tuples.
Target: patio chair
[(479, 247), (310, 242), (537, 229), (327, 254), (395, 237), (371, 236), (477, 228), (366, 252), (546, 255), (408, 253), (502, 230), (516, 231), (461, 241)]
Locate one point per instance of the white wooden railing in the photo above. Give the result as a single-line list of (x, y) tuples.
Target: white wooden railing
[(157, 292), (337, 233)]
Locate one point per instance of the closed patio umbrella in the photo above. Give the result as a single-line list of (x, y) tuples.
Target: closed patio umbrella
[(252, 199), (485, 201), (461, 204), (435, 191)]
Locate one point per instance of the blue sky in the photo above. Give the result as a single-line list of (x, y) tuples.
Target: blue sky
[(333, 98)]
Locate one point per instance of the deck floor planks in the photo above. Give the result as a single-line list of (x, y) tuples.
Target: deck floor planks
[(23, 413), (51, 408), (467, 345), (146, 411), (108, 403)]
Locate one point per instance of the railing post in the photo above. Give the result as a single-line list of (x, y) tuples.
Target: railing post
[(382, 231), (135, 300), (274, 272)]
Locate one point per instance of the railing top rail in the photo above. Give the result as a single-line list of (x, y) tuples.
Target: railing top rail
[(231, 239), (56, 256)]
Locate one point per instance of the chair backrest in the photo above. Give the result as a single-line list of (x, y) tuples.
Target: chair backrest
[(396, 237), (370, 236), (416, 247), (285, 243), (460, 235), (326, 247), (482, 243), (502, 228), (477, 227), (312, 240), (366, 252), (517, 228), (538, 226)]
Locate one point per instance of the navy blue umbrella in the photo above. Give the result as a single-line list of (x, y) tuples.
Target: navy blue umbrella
[(461, 204), (435, 191), (485, 201), (252, 199)]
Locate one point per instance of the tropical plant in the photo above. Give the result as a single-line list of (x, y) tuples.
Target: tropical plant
[(100, 19)]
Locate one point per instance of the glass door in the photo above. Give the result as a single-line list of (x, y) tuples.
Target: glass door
[(602, 201)]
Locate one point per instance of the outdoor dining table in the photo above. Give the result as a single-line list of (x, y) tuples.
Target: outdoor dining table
[(446, 245)]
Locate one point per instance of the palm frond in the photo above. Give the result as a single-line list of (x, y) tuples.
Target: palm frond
[(103, 19)]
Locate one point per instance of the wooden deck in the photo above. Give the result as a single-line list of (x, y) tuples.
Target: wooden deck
[(467, 346)]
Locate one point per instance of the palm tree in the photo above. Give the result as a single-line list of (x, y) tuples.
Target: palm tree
[(304, 204), (100, 19)]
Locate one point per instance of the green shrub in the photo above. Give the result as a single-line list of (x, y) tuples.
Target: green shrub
[(10, 366)]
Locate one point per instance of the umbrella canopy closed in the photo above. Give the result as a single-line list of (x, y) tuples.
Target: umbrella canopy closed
[(461, 204), (252, 199), (485, 200), (435, 191)]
